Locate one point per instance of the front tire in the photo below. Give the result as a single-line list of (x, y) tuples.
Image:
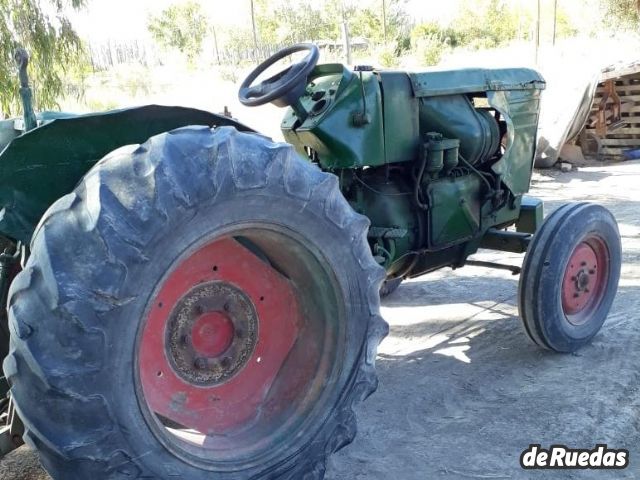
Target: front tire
[(206, 304), (570, 277)]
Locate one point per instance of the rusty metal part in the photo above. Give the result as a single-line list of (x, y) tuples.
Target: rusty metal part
[(610, 102), (211, 333)]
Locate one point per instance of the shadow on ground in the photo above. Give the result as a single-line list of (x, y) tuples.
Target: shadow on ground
[(472, 392)]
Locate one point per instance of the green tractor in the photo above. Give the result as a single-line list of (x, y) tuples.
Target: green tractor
[(186, 298)]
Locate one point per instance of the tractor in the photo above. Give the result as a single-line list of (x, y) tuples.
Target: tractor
[(186, 298)]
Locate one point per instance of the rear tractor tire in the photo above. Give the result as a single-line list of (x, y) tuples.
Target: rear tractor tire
[(389, 286), (202, 306), (570, 276)]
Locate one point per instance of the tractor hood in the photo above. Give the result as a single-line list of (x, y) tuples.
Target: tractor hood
[(469, 80)]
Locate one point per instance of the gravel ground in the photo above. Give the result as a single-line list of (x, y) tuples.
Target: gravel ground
[(463, 392)]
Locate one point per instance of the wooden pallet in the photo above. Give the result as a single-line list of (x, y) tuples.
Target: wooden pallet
[(626, 136)]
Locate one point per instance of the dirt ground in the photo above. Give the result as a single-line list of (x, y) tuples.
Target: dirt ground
[(463, 392)]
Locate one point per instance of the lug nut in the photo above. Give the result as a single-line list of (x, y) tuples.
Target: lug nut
[(226, 307), (200, 363)]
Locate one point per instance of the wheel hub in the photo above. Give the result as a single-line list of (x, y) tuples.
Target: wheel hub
[(217, 334), (211, 333), (584, 280)]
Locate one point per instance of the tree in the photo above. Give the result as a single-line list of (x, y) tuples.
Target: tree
[(183, 27), (52, 43), (282, 21), (622, 13)]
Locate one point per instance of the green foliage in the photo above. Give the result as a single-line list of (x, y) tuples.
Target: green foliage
[(181, 26), (622, 14), (283, 21), (55, 50), (481, 24), (238, 41), (388, 55), (435, 32), (430, 41), (488, 24), (366, 20), (564, 27), (430, 50)]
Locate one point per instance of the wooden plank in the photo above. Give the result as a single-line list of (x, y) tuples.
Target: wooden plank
[(626, 96), (635, 97), (611, 155), (626, 130), (624, 142), (622, 72)]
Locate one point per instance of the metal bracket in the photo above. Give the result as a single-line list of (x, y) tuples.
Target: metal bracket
[(514, 269), (360, 119), (506, 240)]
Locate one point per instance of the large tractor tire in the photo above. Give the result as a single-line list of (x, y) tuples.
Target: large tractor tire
[(389, 286), (570, 277), (202, 306)]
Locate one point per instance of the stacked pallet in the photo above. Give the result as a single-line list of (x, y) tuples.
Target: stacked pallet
[(613, 132)]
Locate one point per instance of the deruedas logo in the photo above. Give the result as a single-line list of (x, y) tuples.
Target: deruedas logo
[(563, 457)]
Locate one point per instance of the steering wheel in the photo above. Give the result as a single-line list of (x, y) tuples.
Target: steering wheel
[(285, 87)]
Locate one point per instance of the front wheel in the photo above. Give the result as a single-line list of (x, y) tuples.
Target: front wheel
[(204, 306), (570, 276)]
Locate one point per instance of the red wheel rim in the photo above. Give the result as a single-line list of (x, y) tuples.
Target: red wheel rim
[(585, 280), (227, 362)]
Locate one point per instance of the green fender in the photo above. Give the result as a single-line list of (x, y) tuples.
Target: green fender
[(46, 163)]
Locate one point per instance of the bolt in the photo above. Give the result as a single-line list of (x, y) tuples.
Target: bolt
[(239, 333), (185, 339), (583, 264), (592, 271), (198, 310), (573, 279), (200, 363), (227, 307), (225, 362), (576, 295)]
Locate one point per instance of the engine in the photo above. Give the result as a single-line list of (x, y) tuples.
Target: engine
[(433, 158)]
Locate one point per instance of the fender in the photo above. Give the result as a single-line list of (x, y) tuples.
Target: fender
[(46, 163)]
